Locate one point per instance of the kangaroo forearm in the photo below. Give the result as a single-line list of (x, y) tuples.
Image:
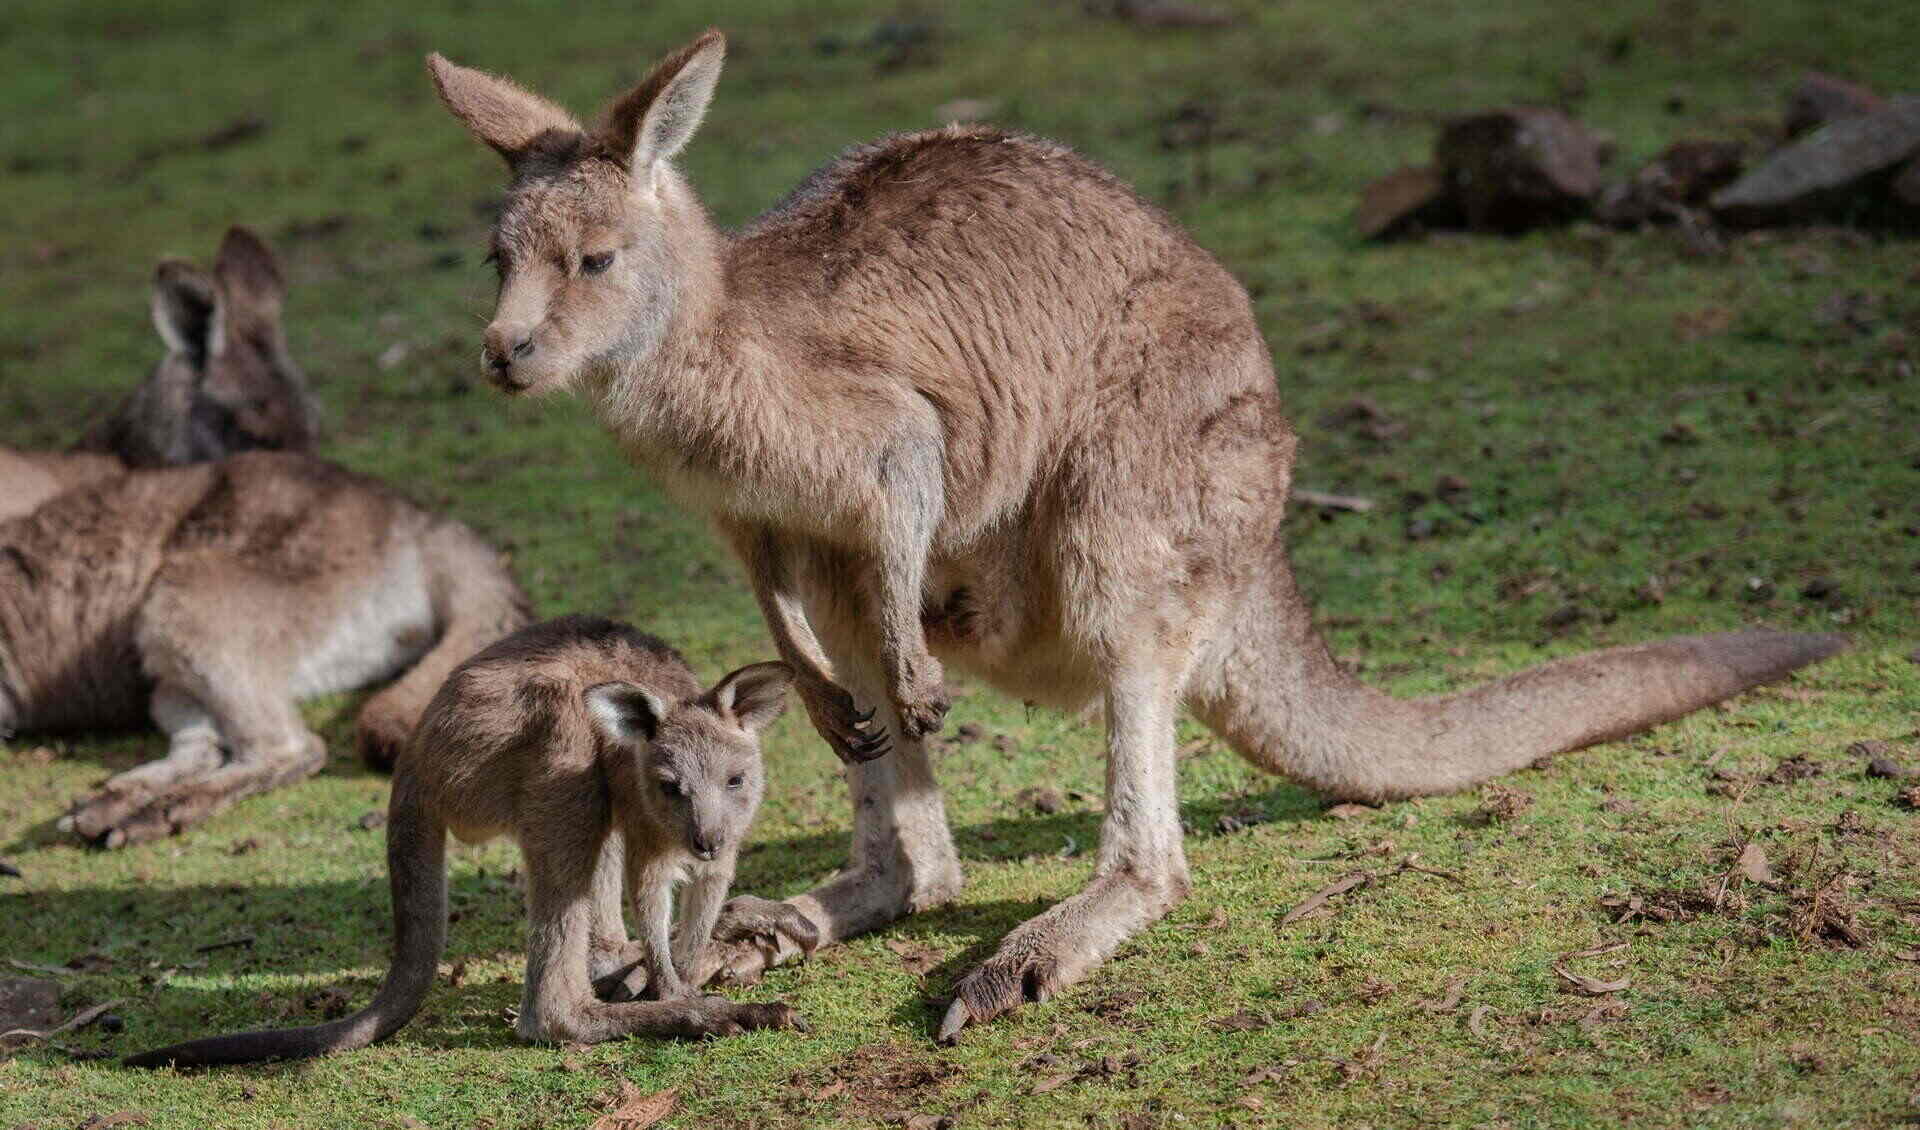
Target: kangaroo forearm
[(769, 575)]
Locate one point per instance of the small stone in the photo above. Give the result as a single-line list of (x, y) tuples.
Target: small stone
[(376, 818)]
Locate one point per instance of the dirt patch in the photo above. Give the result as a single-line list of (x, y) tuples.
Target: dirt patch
[(874, 1081)]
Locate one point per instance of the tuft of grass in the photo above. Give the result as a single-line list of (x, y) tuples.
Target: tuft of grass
[(1650, 443)]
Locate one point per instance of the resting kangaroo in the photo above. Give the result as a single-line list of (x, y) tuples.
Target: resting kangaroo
[(227, 383), (210, 598), (593, 746), (963, 393)]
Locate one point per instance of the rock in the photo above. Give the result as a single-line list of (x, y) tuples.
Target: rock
[(1886, 768), (1821, 98), (1906, 184), (28, 1002), (1519, 167), (1683, 175), (1825, 167), (1410, 196)]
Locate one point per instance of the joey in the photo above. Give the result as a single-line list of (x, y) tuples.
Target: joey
[(593, 746)]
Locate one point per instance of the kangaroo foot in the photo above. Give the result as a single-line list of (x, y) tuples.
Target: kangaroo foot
[(853, 735), (719, 1017), (752, 936), (1047, 953), (132, 808), (619, 974)]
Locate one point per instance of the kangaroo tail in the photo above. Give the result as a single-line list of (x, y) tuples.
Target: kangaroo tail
[(416, 865), (475, 602), (1277, 696)]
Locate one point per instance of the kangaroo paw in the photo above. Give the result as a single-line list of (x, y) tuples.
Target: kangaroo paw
[(923, 704), (853, 735)]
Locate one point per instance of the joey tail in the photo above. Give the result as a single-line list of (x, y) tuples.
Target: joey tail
[(1276, 695), (475, 602), (416, 866)]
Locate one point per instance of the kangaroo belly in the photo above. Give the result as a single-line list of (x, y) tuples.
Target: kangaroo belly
[(378, 627)]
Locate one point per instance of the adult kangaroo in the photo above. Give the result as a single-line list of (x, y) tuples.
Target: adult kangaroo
[(226, 384), (210, 599), (962, 393)]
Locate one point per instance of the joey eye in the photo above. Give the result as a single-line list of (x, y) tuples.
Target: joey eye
[(594, 264), (736, 781)]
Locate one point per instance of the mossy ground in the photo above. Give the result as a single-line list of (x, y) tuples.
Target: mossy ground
[(1619, 409)]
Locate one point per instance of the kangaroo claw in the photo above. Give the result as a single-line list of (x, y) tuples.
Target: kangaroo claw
[(958, 1017)]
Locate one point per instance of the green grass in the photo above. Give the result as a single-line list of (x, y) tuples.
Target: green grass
[(1543, 370)]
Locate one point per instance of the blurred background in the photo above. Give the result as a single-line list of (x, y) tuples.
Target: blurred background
[(1582, 434)]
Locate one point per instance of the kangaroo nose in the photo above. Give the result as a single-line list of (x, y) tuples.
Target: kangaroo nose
[(706, 847), (503, 345)]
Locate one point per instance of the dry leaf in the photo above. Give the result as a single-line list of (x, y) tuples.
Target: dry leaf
[(1449, 1001), (1595, 951), (637, 1111), (1350, 811), (78, 1020), (1753, 864), (1476, 1019), (1052, 1083), (1319, 898), (917, 957), (1591, 986)]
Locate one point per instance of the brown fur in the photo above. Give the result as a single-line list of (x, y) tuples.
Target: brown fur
[(593, 746), (963, 392), (227, 383), (210, 598)]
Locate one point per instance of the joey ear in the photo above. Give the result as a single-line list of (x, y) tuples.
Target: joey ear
[(624, 712), (753, 696), (656, 119), (502, 114), (250, 284), (184, 308)]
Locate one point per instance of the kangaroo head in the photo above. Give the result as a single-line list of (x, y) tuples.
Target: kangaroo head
[(690, 769), (227, 383), (599, 235)]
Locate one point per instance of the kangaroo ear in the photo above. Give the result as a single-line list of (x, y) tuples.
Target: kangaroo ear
[(623, 712), (184, 308), (656, 119), (251, 286), (753, 696), (512, 120)]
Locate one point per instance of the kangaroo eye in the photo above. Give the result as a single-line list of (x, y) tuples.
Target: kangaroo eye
[(594, 264), (670, 788), (735, 781)]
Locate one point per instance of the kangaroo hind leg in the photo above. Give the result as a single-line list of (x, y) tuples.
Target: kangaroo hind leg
[(1141, 872), (221, 653)]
